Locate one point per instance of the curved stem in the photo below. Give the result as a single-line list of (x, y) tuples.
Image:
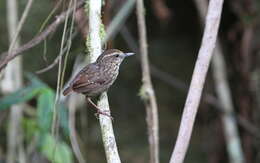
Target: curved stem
[(147, 91), (197, 82)]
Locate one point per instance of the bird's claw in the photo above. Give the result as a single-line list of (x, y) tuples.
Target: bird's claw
[(105, 113)]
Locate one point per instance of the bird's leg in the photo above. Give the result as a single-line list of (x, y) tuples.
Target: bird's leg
[(96, 107)]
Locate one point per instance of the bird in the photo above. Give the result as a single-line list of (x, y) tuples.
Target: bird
[(96, 78)]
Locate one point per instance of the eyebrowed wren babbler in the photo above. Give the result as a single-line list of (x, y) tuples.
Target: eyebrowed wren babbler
[(97, 77)]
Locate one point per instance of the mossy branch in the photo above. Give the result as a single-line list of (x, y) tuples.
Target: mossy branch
[(96, 34)]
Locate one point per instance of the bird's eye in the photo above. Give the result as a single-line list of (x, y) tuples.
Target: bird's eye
[(117, 55)]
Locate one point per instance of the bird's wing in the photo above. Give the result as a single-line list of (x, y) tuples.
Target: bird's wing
[(87, 79), (81, 79)]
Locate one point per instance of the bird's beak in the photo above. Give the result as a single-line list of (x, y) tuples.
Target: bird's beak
[(128, 54)]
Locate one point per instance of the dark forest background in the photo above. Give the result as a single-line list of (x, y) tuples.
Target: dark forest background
[(174, 32)]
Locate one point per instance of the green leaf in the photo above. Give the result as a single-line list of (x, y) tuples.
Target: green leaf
[(19, 96), (45, 103), (57, 152), (24, 94), (64, 119), (30, 127)]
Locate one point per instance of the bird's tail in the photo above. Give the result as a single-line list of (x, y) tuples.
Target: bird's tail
[(67, 91)]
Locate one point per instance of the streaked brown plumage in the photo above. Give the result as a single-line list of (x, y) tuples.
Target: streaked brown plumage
[(97, 77)]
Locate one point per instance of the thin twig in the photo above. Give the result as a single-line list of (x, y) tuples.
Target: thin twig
[(112, 29), (155, 71), (183, 87), (147, 91), (55, 116), (7, 57), (21, 22), (198, 80), (234, 147), (108, 137), (73, 133), (55, 8), (56, 60), (75, 101), (119, 20)]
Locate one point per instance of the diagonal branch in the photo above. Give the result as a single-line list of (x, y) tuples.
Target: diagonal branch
[(56, 60), (233, 142), (183, 87), (7, 57), (198, 80), (119, 20), (112, 30), (21, 23)]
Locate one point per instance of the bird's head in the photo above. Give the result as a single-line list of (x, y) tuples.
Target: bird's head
[(112, 56)]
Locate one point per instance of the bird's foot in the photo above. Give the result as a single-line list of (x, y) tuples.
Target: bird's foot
[(99, 111), (105, 113)]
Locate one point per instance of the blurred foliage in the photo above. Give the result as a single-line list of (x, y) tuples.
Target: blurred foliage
[(58, 152), (54, 149)]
